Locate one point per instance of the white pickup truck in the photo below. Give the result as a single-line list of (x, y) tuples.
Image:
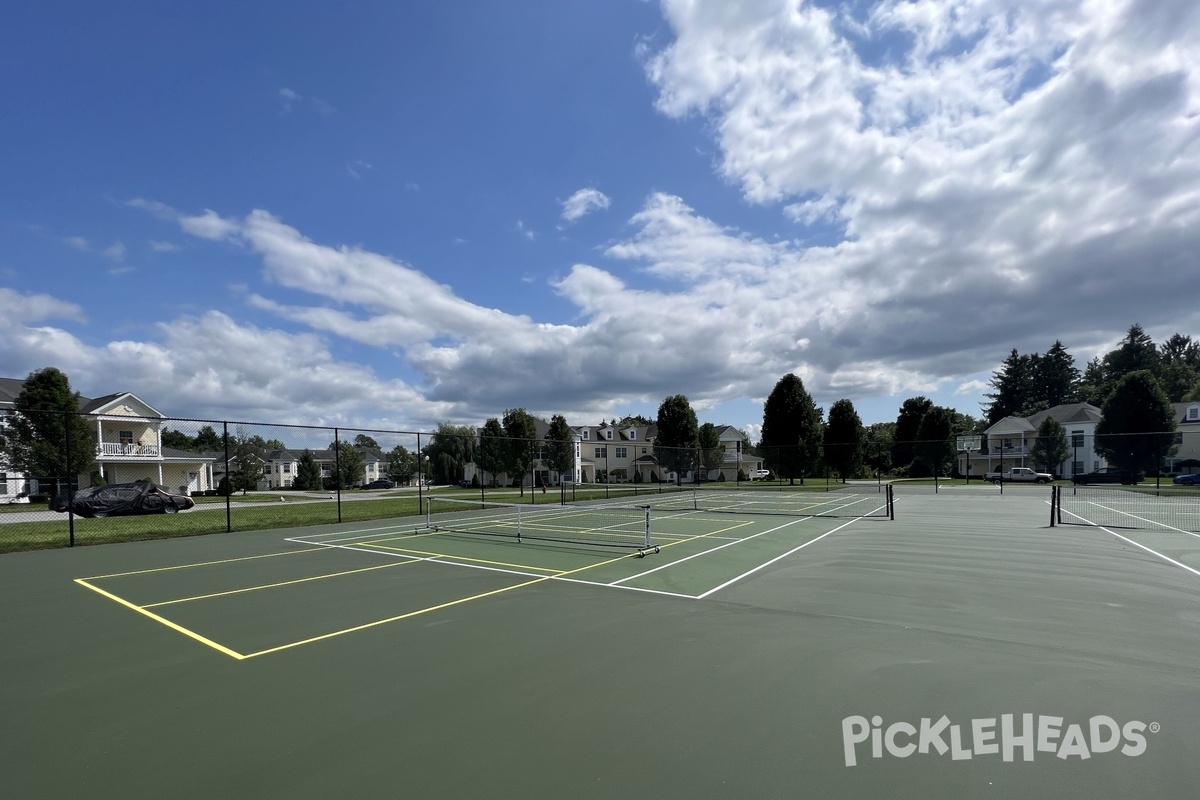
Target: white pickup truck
[(1018, 475)]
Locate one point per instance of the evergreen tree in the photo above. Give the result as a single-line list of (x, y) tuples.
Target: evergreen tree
[(1093, 384), (1135, 352), (308, 473), (177, 440), (1056, 379), (678, 436), (844, 440), (1012, 384), (1050, 448), (362, 440), (45, 435), (792, 430), (908, 423), (1137, 429)]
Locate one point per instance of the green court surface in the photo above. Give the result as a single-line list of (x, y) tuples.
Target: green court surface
[(752, 656)]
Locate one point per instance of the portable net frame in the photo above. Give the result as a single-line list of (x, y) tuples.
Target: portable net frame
[(1127, 507), (848, 501), (623, 526)]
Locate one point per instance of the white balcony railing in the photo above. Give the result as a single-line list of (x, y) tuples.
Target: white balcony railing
[(127, 450)]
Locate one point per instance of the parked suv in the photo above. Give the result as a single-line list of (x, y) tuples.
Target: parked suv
[(1109, 475)]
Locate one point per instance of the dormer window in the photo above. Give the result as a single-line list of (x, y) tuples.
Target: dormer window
[(608, 433), (1194, 413), (632, 433), (586, 434)]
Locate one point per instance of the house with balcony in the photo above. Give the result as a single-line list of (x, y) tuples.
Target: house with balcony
[(128, 436), (1009, 443), (280, 467)]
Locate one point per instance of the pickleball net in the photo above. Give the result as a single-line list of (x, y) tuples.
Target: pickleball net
[(837, 502), (624, 526)]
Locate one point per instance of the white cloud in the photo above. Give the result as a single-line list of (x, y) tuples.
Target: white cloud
[(115, 252), (78, 243), (584, 202), (526, 232), (164, 247)]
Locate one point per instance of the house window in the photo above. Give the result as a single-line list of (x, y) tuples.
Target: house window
[(3, 483), (644, 451), (125, 437), (622, 452), (1194, 413), (1178, 437), (585, 435), (608, 434), (267, 469), (1076, 438), (1006, 443), (601, 452), (287, 469), (632, 435)]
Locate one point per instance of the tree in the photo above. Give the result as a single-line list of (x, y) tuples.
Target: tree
[(1056, 378), (634, 420), (45, 436), (401, 464), (934, 447), (560, 447), (177, 440), (1135, 352), (492, 449), (877, 450), (246, 457), (308, 472), (678, 435), (448, 451), (844, 440), (1136, 431), (348, 467), (1093, 384), (908, 423), (207, 441), (521, 430), (362, 440), (712, 452), (1050, 449), (1012, 383), (792, 430)]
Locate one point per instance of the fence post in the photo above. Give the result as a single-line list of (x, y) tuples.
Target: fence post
[(69, 420), (337, 471), (228, 479)]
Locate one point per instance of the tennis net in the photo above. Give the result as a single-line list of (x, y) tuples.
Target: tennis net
[(1128, 507), (852, 501), (601, 525)]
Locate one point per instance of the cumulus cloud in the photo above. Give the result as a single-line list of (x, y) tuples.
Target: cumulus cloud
[(582, 203)]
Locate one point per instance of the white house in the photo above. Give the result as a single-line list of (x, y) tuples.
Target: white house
[(128, 435), (1009, 443), (1186, 457)]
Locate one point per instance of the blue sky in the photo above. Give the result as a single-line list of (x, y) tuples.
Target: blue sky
[(394, 215)]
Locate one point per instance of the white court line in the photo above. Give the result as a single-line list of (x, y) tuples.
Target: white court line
[(748, 573), (1166, 558), (709, 551), (1140, 519)]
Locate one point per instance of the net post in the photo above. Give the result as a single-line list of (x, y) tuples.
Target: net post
[(891, 503), (1053, 505)]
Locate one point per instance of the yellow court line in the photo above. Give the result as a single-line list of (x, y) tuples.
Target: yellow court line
[(173, 626), (203, 564), (449, 604), (449, 557), (281, 583)]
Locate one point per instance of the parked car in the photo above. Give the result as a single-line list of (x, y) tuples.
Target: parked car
[(382, 483), (123, 500), (1187, 480), (760, 475), (1109, 475)]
